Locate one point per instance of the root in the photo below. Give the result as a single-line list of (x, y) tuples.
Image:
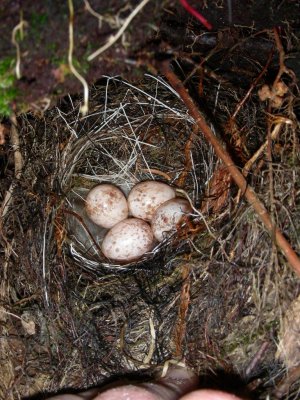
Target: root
[(85, 108)]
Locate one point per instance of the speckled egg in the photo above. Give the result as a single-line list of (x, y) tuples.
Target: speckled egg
[(167, 216), (146, 197), (106, 205), (128, 240)]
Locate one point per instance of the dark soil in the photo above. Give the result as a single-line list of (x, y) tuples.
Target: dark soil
[(160, 27)]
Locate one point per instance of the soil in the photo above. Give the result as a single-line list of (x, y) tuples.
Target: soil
[(161, 26)]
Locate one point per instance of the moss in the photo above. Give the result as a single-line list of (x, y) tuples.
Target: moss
[(82, 66), (7, 86), (36, 22)]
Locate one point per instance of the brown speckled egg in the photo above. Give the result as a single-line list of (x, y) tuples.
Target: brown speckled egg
[(128, 240), (146, 197), (106, 205), (167, 216)]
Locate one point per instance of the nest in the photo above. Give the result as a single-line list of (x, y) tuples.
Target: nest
[(213, 295), (139, 138)]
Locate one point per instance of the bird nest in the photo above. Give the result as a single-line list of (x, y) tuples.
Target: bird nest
[(212, 294), (140, 137)]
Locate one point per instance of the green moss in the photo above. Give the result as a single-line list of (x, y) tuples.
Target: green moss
[(37, 21), (7, 86), (82, 66)]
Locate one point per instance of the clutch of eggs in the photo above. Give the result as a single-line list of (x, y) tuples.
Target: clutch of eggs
[(130, 238)]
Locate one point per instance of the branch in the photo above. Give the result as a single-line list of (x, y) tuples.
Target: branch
[(237, 176)]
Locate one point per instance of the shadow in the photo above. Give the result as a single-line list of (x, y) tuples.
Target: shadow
[(220, 380), (227, 382), (111, 382)]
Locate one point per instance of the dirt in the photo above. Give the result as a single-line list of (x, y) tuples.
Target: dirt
[(45, 74)]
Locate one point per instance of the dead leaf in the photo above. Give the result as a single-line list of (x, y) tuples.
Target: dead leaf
[(28, 324), (218, 190), (60, 72)]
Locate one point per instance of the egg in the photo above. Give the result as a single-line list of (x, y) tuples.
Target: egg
[(128, 240), (167, 216), (106, 205), (147, 196)]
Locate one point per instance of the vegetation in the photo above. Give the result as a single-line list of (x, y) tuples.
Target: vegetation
[(7, 86)]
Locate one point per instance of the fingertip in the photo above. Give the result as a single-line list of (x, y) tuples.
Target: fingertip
[(127, 392), (207, 394)]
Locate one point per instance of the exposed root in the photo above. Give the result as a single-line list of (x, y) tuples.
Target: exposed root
[(85, 107), (18, 28), (112, 40)]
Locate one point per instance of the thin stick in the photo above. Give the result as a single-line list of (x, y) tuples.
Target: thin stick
[(282, 67), (271, 177), (253, 85), (112, 40), (85, 108), (157, 172), (237, 176), (258, 153), (196, 14)]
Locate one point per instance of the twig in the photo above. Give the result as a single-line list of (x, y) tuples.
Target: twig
[(85, 108), (282, 67), (231, 123), (253, 85), (196, 14), (274, 134), (237, 176), (269, 159), (155, 171), (112, 40)]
